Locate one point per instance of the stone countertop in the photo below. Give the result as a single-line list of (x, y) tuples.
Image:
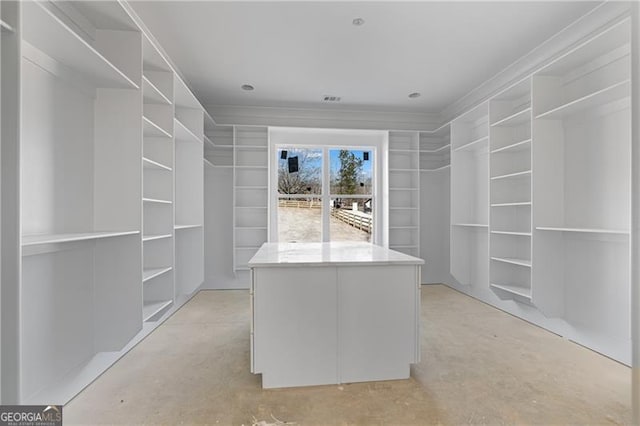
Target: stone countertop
[(328, 254)]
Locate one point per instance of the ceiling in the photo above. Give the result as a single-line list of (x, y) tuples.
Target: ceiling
[(294, 53)]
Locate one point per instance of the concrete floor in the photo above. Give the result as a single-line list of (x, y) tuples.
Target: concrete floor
[(304, 224), (479, 365)]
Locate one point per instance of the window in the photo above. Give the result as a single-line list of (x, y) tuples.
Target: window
[(324, 194), (351, 183), (299, 195)]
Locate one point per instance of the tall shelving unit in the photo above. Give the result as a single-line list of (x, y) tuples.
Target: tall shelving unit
[(80, 194), (510, 192), (404, 192), (158, 278), (554, 194), (581, 195), (93, 188), (189, 190), (470, 197), (435, 223), (250, 195)]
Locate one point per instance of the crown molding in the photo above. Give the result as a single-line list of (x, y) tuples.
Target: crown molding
[(601, 16), (322, 118)]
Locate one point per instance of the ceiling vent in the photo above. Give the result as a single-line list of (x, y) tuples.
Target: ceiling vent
[(328, 98)]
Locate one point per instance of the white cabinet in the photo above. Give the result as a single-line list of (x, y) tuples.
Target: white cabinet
[(326, 313)]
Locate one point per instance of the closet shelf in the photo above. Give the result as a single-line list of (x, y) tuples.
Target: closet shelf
[(584, 230), (513, 175), (513, 289), (404, 151), (151, 129), (5, 28), (604, 96), (251, 188), (151, 309), (208, 141), (150, 164), (31, 240), (248, 247), (471, 225), (151, 93), (433, 151), (513, 261), (181, 227), (446, 166), (208, 163), (183, 133), (155, 237), (404, 170), (49, 34), (477, 145), (150, 273), (514, 119), (524, 234), (250, 147), (156, 201), (515, 147), (521, 203)]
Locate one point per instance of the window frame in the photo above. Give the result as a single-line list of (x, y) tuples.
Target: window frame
[(327, 140)]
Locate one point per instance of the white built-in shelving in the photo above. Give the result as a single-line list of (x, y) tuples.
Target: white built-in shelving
[(555, 197), (40, 239), (218, 145), (47, 28), (5, 27), (79, 193), (151, 273), (152, 129), (510, 192), (158, 192), (189, 125), (404, 192), (435, 150), (96, 259), (469, 197), (250, 196), (581, 186), (152, 94)]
